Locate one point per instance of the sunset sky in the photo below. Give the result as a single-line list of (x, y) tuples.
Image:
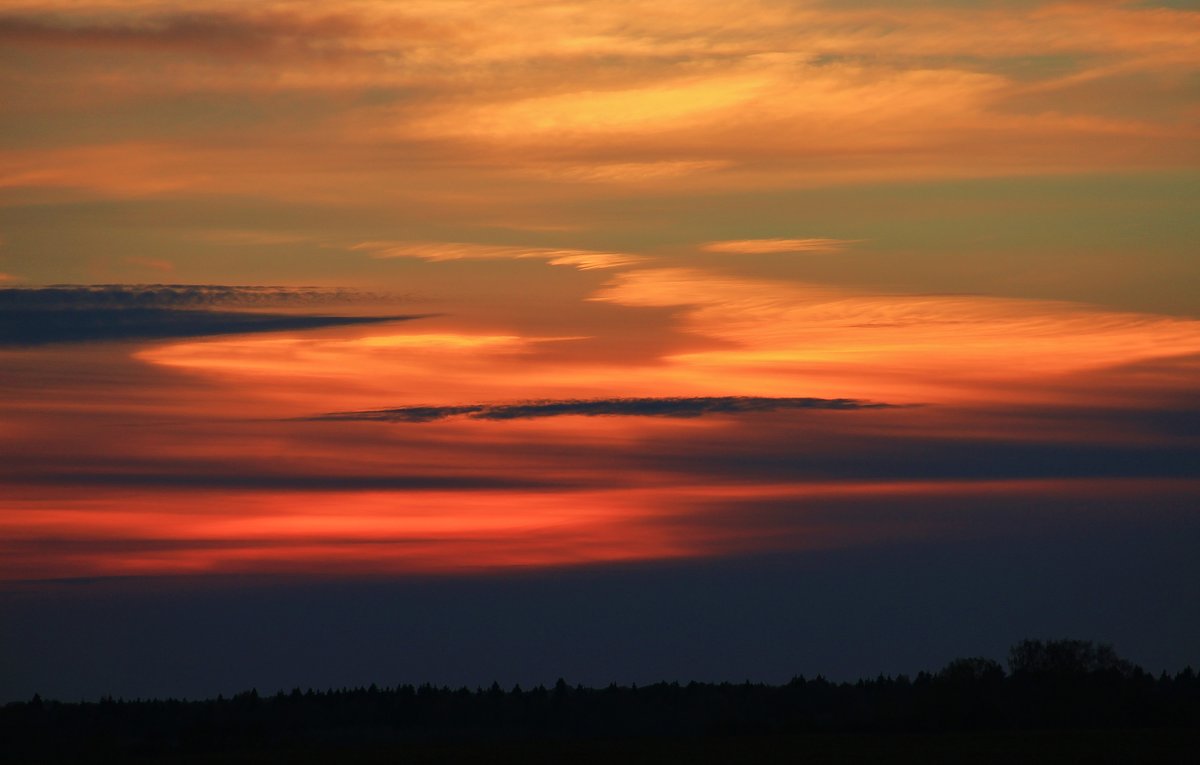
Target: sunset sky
[(472, 340)]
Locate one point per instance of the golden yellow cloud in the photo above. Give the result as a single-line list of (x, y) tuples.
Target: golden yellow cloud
[(691, 94)]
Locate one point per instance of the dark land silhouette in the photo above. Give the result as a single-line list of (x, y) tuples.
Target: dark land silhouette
[(1062, 700)]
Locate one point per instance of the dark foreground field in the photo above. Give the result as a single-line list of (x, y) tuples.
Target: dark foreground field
[(1060, 702)]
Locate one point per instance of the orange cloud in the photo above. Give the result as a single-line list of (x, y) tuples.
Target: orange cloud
[(918, 347)]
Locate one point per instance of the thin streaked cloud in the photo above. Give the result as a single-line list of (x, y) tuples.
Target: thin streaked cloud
[(441, 251), (766, 246)]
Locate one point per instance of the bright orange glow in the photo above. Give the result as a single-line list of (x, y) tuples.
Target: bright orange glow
[(380, 533)]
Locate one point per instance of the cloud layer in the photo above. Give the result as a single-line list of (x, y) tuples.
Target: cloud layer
[(443, 146), (702, 94)]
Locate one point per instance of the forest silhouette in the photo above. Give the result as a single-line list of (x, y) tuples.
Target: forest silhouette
[(1048, 686)]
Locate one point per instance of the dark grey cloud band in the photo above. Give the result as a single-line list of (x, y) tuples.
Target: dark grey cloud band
[(696, 406), (110, 312)]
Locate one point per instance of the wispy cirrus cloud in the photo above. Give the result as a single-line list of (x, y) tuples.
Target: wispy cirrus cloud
[(237, 31), (766, 246), (667, 406), (585, 260)]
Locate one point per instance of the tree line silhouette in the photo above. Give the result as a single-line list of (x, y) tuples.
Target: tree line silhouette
[(1049, 685)]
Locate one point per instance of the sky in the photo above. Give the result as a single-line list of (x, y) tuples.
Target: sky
[(467, 340)]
